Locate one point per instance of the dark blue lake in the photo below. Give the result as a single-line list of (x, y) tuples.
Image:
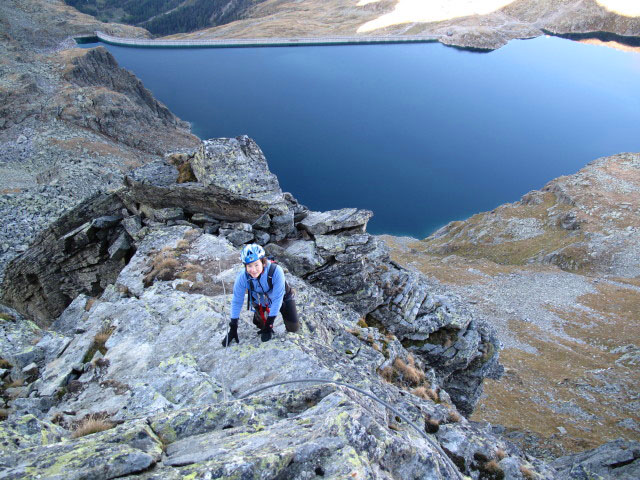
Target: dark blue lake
[(422, 134)]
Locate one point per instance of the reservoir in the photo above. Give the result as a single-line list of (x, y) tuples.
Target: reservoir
[(422, 134)]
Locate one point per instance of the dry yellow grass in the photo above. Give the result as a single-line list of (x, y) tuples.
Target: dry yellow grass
[(91, 424), (492, 467), (453, 416), (89, 304), (409, 371), (431, 425)]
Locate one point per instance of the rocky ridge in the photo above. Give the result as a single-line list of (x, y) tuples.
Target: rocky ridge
[(168, 287), (53, 377), (518, 19), (177, 408)]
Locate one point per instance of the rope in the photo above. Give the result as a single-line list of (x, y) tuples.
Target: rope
[(422, 433)]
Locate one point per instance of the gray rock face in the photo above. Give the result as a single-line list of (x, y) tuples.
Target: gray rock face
[(236, 165), (162, 359), (254, 200), (107, 114), (619, 459), (320, 223), (74, 255)]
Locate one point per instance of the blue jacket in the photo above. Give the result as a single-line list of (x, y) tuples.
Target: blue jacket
[(260, 293)]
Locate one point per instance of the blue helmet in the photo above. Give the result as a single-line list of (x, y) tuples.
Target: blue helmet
[(251, 253)]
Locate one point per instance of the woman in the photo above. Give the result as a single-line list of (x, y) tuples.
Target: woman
[(268, 295)]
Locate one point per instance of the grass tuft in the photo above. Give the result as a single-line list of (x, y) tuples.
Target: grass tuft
[(431, 425), (409, 371), (91, 424), (527, 473), (453, 416)]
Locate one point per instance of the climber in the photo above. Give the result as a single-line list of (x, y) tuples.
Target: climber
[(268, 295)]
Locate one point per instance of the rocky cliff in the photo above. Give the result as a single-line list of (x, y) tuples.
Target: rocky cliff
[(139, 360), (144, 351)]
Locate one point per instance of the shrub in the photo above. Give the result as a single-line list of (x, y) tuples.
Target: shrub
[(91, 424), (388, 374), (362, 323), (5, 364), (7, 317)]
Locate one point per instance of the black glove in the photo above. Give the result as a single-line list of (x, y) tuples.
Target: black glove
[(233, 333), (267, 332)]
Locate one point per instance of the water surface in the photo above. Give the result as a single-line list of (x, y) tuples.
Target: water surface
[(422, 134)]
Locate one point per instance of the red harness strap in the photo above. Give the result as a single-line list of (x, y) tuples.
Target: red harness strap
[(262, 310)]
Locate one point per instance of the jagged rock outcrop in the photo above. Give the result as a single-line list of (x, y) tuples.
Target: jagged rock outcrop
[(331, 250), (145, 353), (177, 398), (619, 459), (82, 252)]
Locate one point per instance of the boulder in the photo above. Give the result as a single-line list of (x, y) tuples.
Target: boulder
[(234, 172), (351, 219), (619, 460)]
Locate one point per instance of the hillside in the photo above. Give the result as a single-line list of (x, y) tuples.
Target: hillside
[(482, 24), (558, 275), (165, 17)]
